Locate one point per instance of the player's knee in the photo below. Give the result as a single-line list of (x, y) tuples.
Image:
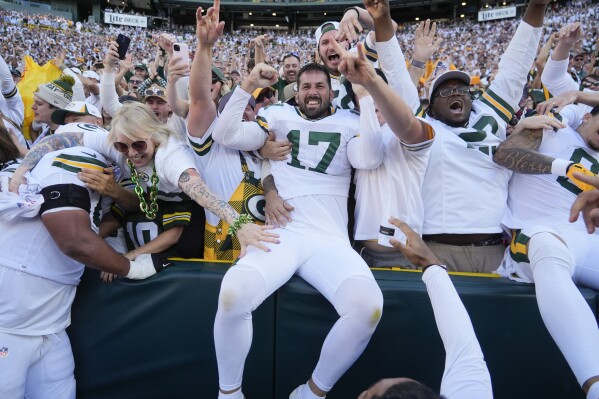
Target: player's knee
[(547, 250), (364, 304), (241, 292)]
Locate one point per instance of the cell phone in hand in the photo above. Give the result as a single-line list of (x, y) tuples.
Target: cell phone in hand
[(181, 54), (123, 42)]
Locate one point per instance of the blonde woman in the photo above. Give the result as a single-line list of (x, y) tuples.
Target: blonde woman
[(159, 164)]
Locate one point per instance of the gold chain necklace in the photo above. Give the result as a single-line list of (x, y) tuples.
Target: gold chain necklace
[(149, 211)]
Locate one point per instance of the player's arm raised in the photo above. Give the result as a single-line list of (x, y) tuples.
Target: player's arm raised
[(399, 116), (202, 110)]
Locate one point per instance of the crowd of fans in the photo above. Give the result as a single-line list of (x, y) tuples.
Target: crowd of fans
[(182, 150)]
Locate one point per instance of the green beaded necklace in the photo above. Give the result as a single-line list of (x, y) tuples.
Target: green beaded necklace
[(149, 211)]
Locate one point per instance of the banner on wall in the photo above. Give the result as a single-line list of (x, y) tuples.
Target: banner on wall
[(498, 13), (125, 19)]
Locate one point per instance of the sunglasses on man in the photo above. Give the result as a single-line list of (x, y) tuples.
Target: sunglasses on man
[(268, 95), (154, 92)]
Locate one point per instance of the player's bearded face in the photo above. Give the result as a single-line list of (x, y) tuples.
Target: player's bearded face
[(453, 109), (314, 94)]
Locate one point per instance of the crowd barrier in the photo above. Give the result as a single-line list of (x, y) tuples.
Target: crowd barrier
[(154, 338)]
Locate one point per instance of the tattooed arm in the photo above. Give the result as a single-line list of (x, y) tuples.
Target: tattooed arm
[(193, 185), (519, 153), (45, 146), (249, 234)]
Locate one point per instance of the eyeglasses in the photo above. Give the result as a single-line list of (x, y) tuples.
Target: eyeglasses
[(154, 92), (215, 79), (455, 90), (589, 84), (138, 146), (578, 59), (134, 81)]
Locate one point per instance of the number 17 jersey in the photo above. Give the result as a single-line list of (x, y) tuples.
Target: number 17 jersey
[(319, 162)]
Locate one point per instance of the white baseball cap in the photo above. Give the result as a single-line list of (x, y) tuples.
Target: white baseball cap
[(322, 29), (77, 108), (91, 75)]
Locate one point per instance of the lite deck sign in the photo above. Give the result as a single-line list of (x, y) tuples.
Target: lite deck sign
[(498, 13), (125, 19)]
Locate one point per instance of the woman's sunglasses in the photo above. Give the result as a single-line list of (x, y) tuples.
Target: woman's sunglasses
[(138, 146)]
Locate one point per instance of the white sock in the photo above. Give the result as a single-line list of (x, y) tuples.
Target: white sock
[(233, 395), (306, 393), (565, 313)]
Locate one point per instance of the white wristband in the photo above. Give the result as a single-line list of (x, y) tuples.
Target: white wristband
[(142, 267), (559, 167)]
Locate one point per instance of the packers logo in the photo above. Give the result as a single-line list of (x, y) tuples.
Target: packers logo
[(144, 176), (254, 205), (89, 127)]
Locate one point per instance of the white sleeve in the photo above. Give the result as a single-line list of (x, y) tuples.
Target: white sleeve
[(175, 160), (466, 375), (393, 64), (108, 95), (556, 77), (231, 132), (366, 150), (13, 107), (515, 64), (572, 114), (97, 140)]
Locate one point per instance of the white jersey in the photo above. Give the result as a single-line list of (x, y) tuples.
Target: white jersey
[(222, 170), (464, 191), (395, 187), (171, 159), (342, 99), (545, 200), (392, 189), (323, 151), (41, 303)]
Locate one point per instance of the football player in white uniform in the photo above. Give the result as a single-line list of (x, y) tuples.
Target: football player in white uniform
[(545, 248), (464, 191), (232, 174), (43, 258)]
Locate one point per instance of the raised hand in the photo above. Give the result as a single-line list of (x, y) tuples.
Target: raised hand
[(208, 27), (425, 44), (262, 76), (570, 34), (349, 27), (252, 234), (112, 56), (377, 8), (127, 63), (355, 66)]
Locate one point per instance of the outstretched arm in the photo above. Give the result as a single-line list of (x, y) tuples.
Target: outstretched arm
[(202, 110), (466, 374), (397, 113), (555, 75), (249, 234)]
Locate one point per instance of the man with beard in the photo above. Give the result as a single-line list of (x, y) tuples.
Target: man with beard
[(291, 64), (314, 179), (464, 191), (546, 249)]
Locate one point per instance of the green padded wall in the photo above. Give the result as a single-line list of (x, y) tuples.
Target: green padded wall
[(521, 356), (153, 338)]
